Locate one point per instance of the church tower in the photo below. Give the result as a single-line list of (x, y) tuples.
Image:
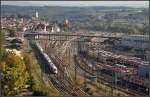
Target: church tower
[(36, 14)]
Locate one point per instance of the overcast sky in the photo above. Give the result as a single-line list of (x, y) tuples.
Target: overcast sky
[(78, 3)]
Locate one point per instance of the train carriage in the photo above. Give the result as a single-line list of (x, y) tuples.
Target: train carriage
[(47, 61)]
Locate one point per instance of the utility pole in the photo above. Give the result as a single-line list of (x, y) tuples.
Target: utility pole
[(75, 72), (1, 84), (74, 57), (99, 70), (149, 60), (85, 78), (86, 69)]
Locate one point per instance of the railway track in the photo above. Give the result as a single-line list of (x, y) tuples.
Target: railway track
[(64, 84), (58, 84), (43, 72), (104, 79)]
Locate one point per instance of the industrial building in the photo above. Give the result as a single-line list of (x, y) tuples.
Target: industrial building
[(143, 71), (141, 42)]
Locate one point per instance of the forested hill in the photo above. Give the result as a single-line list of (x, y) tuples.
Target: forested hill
[(57, 12)]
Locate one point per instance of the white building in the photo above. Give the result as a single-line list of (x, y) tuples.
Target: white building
[(66, 22), (56, 28)]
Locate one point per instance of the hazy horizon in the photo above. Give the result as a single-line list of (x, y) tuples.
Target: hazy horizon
[(78, 3)]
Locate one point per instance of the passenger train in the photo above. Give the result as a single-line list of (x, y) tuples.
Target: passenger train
[(45, 58)]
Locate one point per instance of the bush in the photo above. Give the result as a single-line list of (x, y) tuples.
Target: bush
[(38, 88), (14, 74)]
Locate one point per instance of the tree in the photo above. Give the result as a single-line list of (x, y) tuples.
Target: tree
[(36, 86), (135, 29), (14, 75), (2, 40), (12, 32)]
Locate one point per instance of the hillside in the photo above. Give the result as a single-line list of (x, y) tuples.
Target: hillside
[(61, 13), (99, 18)]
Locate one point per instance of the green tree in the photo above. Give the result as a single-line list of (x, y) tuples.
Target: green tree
[(135, 29), (14, 75), (36, 86)]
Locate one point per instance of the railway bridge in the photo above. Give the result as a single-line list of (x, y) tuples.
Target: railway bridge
[(63, 36)]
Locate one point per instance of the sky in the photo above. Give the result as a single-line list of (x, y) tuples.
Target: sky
[(78, 3)]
